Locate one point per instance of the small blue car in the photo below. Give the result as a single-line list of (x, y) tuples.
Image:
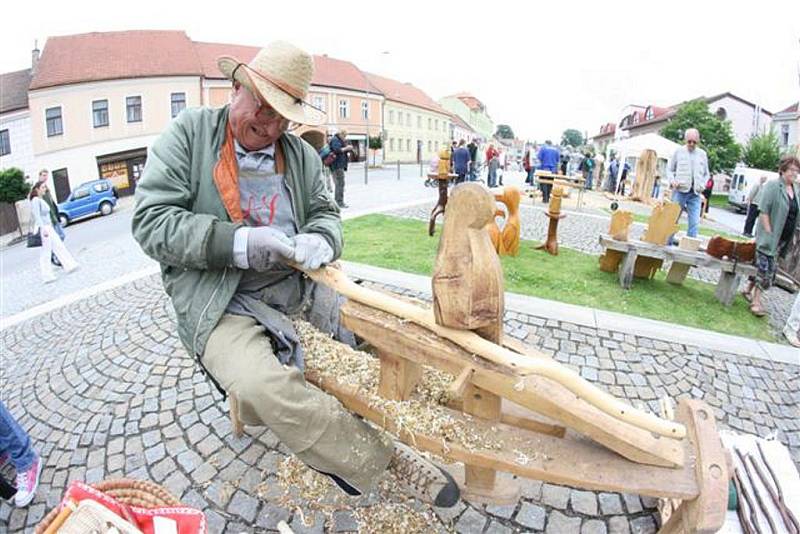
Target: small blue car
[(89, 198)]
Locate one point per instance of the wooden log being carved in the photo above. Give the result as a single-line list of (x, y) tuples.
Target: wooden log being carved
[(467, 277)]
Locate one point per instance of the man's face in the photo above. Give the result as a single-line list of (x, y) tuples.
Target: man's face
[(42, 177), (255, 124), (691, 142)]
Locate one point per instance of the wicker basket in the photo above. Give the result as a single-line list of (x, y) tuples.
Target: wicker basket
[(141, 493)]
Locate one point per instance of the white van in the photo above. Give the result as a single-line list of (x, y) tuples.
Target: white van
[(743, 179)]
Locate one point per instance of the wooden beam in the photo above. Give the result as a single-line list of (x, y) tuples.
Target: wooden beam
[(626, 268), (399, 376), (492, 352), (727, 287), (485, 405), (678, 271), (575, 461), (535, 393)]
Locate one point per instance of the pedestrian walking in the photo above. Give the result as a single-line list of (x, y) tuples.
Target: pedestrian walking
[(687, 172), (472, 147), (613, 170), (342, 149), (492, 162), (16, 448), (461, 162), (752, 206), (51, 241), (48, 198), (229, 270), (777, 221), (707, 192), (548, 160), (587, 169), (502, 161), (623, 179)]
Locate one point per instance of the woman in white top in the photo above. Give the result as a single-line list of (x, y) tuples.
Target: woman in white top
[(51, 243)]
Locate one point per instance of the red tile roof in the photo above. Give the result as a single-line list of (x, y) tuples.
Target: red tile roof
[(14, 90), (207, 54), (791, 109), (471, 102), (113, 55), (404, 93)]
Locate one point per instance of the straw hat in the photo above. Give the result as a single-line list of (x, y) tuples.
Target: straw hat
[(281, 74)]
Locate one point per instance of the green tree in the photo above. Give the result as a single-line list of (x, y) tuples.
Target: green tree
[(13, 186), (375, 144), (716, 136), (763, 151), (571, 137), (504, 131)]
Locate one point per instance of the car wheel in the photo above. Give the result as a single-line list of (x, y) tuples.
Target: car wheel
[(63, 219), (106, 208)]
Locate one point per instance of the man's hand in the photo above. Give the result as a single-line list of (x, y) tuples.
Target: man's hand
[(45, 231), (266, 245), (311, 251)]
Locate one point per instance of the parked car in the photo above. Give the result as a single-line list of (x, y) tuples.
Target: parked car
[(88, 199), (744, 178)]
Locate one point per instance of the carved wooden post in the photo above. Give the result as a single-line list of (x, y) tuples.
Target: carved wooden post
[(620, 227), (554, 212)]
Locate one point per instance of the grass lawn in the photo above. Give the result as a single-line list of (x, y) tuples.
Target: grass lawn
[(720, 201), (571, 277)]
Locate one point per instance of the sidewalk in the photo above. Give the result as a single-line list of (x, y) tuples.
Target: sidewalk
[(593, 318)]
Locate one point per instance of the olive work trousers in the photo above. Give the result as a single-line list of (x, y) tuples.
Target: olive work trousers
[(312, 424)]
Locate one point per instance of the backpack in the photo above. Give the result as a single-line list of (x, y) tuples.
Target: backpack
[(327, 155)]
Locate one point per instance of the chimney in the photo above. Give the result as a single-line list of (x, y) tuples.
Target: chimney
[(34, 56)]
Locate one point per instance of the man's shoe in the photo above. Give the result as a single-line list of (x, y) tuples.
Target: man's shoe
[(423, 479), (791, 337), (343, 205), (27, 482)]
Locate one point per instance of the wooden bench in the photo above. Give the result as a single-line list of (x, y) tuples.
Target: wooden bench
[(730, 271)]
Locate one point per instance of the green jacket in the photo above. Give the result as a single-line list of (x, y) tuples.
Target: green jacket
[(774, 201), (182, 215)]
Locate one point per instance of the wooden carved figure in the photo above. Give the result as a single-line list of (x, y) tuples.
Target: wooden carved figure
[(443, 176), (645, 176), (494, 229), (467, 278), (509, 240)]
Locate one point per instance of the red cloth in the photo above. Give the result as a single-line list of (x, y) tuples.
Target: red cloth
[(189, 520), (491, 153)]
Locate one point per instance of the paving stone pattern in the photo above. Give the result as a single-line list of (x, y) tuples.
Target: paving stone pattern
[(106, 390), (581, 232)]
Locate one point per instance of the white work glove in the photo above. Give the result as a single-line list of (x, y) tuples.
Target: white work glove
[(311, 251), (266, 245)]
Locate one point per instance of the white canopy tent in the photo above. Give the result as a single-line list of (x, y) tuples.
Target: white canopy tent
[(631, 148)]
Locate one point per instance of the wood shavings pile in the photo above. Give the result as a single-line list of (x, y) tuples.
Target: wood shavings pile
[(394, 518), (422, 414)]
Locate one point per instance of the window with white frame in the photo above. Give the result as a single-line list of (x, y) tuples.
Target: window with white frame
[(177, 102), (437, 146), (430, 146), (5, 143), (436, 123), (408, 119), (364, 110), (391, 116), (344, 109), (391, 144), (408, 143), (52, 118), (319, 102), (784, 135), (430, 123), (133, 105), (100, 113), (419, 121)]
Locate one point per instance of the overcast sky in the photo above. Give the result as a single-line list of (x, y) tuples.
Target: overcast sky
[(540, 67)]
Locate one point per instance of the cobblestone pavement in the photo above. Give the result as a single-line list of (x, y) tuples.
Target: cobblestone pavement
[(105, 390), (582, 231)]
